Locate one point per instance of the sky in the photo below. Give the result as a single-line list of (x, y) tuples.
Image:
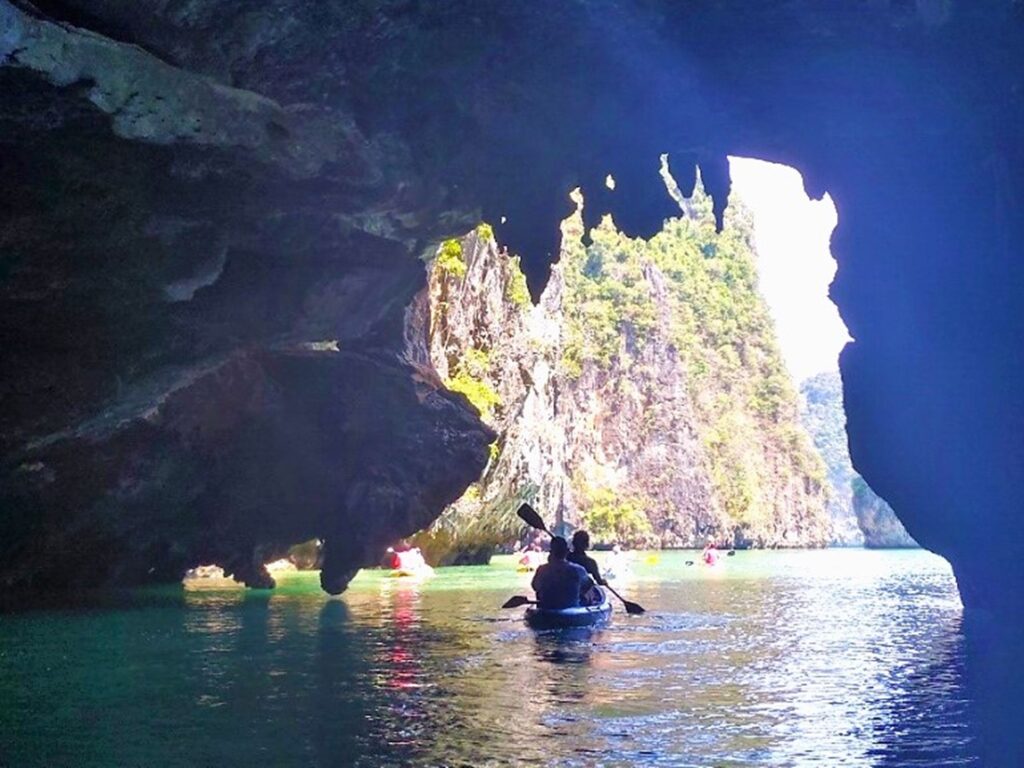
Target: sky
[(796, 266)]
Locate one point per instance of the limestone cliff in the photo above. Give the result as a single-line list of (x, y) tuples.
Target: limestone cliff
[(473, 326), (643, 397), (859, 516), (882, 529)]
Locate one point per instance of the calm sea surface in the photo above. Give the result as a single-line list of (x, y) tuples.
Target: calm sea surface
[(825, 658)]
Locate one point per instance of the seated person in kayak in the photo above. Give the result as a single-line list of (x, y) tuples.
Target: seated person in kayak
[(559, 583), (710, 553), (580, 544)]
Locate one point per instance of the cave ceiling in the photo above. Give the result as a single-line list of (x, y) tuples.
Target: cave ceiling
[(196, 192)]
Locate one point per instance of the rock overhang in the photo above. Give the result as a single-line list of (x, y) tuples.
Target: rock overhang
[(461, 110)]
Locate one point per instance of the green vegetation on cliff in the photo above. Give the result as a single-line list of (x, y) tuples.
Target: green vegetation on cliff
[(470, 380), (517, 291), (610, 516), (702, 285), (644, 397), (450, 258)]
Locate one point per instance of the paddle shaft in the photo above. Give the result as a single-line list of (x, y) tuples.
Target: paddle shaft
[(518, 601), (611, 589)]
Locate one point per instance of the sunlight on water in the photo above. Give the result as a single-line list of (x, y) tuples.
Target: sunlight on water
[(833, 658)]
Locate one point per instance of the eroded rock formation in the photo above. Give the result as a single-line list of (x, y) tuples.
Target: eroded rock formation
[(283, 165), (204, 306)]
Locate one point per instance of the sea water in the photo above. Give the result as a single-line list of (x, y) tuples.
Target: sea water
[(816, 658)]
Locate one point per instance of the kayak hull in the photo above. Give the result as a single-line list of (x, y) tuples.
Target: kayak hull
[(565, 618), (411, 573)]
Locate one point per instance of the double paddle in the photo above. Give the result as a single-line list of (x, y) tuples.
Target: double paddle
[(532, 518)]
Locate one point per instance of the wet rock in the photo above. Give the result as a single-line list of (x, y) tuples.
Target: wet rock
[(231, 463)]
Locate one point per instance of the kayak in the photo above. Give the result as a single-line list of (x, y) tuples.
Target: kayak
[(423, 570), (563, 618), (531, 561), (409, 562)]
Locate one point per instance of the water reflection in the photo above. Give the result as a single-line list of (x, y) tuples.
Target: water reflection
[(401, 721), (567, 646), (779, 659), (933, 682), (339, 701)]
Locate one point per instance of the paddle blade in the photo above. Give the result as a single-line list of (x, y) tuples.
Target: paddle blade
[(632, 608), (532, 518), (517, 602)]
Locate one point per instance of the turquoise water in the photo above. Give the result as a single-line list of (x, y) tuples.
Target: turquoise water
[(826, 658)]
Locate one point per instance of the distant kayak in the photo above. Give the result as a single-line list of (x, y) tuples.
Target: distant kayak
[(410, 563), (709, 556), (531, 561), (425, 570), (617, 567), (565, 618)]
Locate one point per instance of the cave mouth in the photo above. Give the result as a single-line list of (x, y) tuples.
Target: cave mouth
[(792, 243), (141, 433), (717, 329), (755, 293), (861, 650)]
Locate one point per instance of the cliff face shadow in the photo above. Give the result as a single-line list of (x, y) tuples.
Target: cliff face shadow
[(995, 682), (950, 734)]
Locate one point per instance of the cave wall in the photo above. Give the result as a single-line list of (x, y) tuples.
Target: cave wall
[(203, 311), (193, 183)]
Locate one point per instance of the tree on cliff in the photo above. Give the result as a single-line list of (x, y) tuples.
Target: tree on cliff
[(645, 396)]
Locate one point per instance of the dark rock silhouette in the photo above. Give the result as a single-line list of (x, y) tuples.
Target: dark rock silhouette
[(859, 516), (183, 187)]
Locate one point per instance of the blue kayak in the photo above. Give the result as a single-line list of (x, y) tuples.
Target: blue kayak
[(563, 618)]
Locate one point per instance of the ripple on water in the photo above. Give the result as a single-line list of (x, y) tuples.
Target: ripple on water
[(776, 659)]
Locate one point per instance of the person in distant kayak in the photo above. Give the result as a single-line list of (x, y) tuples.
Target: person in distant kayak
[(559, 583), (710, 553)]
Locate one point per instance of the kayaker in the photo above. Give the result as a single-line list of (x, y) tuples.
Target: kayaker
[(580, 545), (559, 583), (710, 553)]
